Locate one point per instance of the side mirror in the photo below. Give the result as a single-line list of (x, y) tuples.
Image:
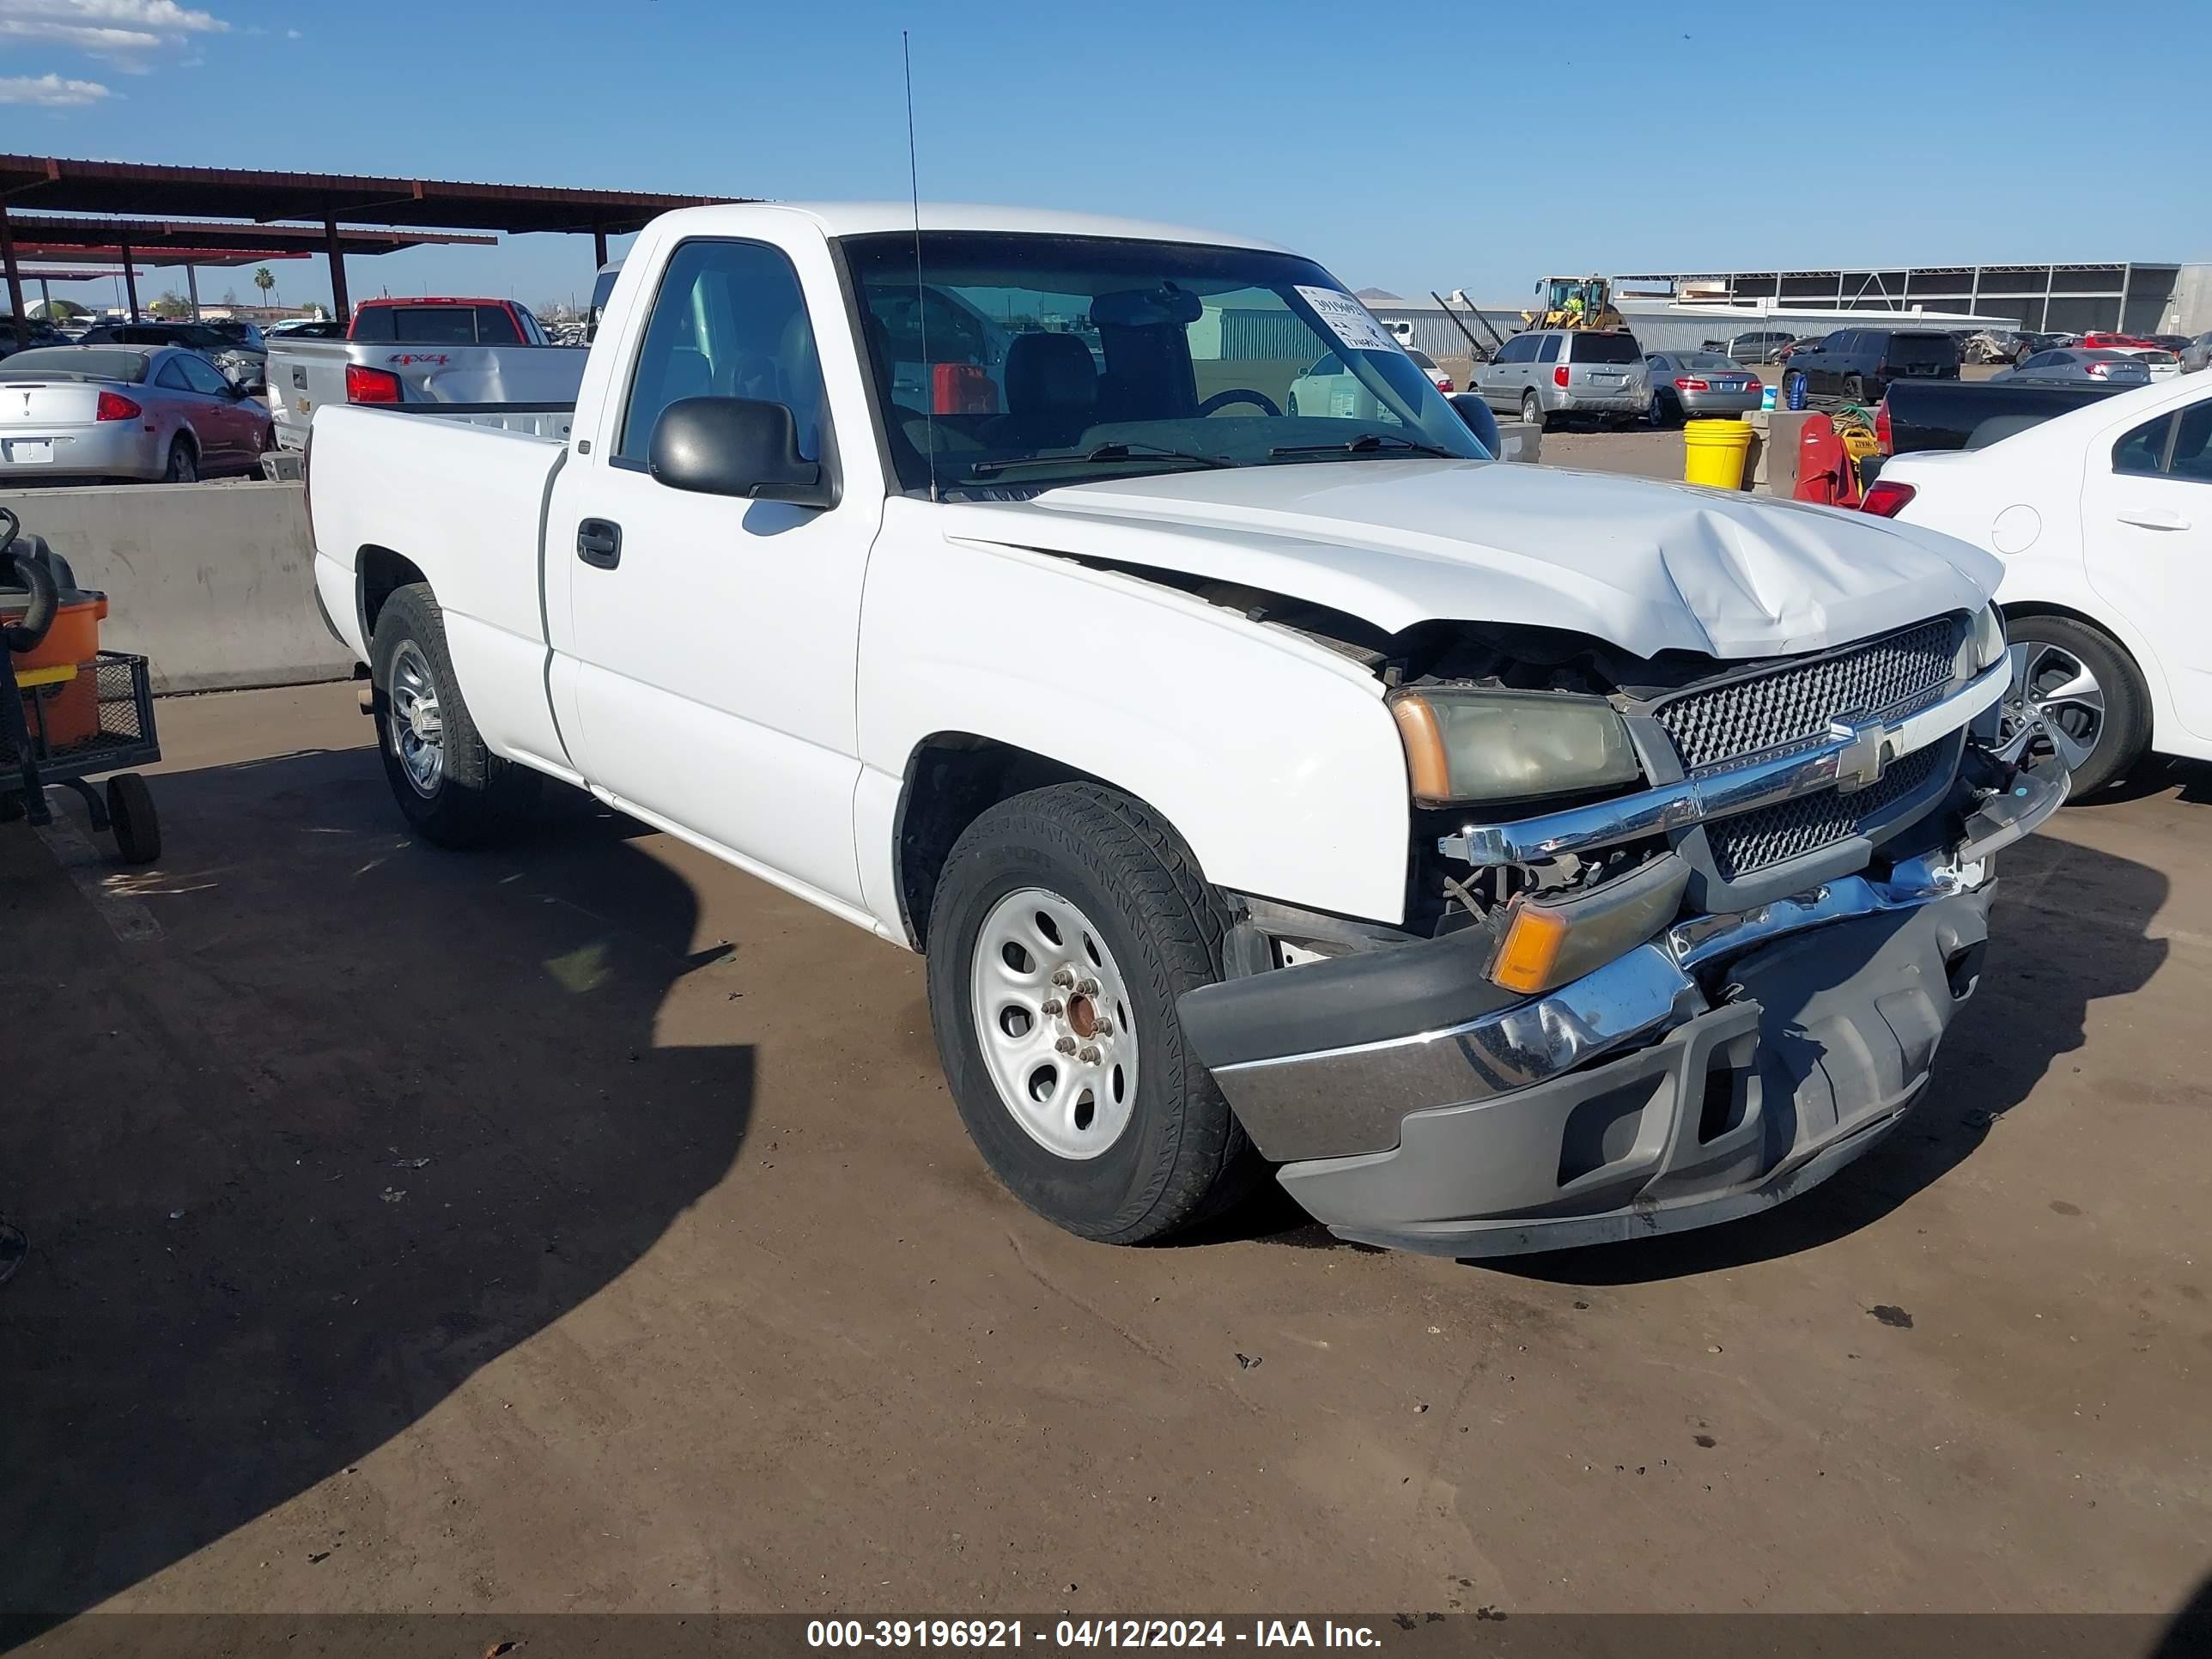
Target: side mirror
[(735, 446), (1479, 421)]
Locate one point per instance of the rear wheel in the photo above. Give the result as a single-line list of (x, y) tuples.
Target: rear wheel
[(453, 789), (184, 462), (2075, 696), (1665, 411), (1066, 925), (1854, 389), (1532, 410)]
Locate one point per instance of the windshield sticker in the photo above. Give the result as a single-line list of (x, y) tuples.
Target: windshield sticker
[(1348, 319)]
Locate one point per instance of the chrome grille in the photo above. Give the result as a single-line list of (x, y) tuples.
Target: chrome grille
[(1794, 703), (1750, 842)]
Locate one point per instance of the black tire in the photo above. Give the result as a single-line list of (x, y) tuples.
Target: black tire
[(132, 816), (1854, 389), (1291, 404), (184, 462), (1532, 410), (1666, 411), (477, 799), (1183, 1156), (2124, 739)]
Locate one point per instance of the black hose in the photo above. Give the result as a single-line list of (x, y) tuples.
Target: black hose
[(27, 634)]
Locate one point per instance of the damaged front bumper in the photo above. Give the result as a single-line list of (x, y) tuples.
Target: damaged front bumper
[(1723, 1065)]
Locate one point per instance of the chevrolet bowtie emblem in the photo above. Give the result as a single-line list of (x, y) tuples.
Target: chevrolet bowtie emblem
[(1866, 754)]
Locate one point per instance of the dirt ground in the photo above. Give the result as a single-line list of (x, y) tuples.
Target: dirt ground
[(584, 1226)]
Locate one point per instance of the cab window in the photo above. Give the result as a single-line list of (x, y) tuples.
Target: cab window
[(729, 321)]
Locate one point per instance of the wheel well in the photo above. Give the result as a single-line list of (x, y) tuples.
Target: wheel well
[(2045, 608), (378, 573), (953, 778)]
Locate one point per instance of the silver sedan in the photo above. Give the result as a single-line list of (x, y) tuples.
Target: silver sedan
[(123, 412), (2078, 366), (1688, 383)]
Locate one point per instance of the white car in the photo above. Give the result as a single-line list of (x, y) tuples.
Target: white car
[(1327, 386), (2103, 518), (1476, 845)]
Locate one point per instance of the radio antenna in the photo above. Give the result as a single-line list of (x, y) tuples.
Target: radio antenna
[(920, 311)]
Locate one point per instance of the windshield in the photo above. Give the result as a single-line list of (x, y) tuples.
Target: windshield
[(1022, 361), (87, 361)]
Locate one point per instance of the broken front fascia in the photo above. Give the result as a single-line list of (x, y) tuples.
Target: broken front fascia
[(1852, 757)]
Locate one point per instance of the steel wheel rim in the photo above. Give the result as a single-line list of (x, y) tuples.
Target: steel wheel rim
[(1052, 1017), (416, 720), (2054, 706)]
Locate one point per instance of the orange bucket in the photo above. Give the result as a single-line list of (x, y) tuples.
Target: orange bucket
[(74, 637)]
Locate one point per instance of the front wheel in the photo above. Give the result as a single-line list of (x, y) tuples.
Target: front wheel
[(451, 788), (2075, 695), (1066, 925)]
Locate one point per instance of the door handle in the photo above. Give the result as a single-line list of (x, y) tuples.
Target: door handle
[(599, 543), (2152, 517)]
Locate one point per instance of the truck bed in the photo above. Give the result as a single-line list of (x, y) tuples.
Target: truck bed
[(303, 375), (1926, 414)]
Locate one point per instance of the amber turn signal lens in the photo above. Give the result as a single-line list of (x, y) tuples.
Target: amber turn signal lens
[(1530, 955), (1427, 767)]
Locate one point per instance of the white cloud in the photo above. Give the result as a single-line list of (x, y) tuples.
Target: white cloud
[(49, 91), (126, 31)]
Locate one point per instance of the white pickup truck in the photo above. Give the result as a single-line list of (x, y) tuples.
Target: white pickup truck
[(1507, 858)]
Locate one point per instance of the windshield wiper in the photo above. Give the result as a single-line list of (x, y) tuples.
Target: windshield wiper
[(1367, 443), (1103, 454)]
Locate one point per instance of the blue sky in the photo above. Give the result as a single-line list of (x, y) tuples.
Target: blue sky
[(1405, 146)]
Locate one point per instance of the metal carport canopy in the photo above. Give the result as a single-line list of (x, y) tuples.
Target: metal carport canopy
[(58, 184)]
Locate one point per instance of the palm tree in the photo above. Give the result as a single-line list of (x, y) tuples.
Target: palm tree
[(265, 279)]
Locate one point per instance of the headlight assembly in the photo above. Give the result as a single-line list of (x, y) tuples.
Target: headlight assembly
[(1989, 638), (1469, 746)]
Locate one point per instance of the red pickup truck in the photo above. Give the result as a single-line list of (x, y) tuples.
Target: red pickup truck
[(445, 322)]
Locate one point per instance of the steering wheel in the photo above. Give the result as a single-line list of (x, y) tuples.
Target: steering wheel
[(1239, 394)]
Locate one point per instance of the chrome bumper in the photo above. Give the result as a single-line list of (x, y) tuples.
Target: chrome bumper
[(1851, 757), (1334, 1102)]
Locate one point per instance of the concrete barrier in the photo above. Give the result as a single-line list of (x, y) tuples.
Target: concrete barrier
[(214, 582)]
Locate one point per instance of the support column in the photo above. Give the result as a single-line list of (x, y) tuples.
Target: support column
[(14, 277), (599, 250), (341, 306), (192, 290), (129, 286)]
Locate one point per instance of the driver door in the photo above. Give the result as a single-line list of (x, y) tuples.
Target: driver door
[(716, 639)]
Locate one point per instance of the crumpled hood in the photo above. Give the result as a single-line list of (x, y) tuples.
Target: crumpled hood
[(1647, 565)]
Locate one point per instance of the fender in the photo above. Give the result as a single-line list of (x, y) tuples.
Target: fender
[(1273, 756)]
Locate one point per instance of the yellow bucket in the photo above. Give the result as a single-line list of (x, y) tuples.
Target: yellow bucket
[(1713, 452)]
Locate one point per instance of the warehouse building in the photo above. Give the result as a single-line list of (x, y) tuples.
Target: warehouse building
[(2132, 297)]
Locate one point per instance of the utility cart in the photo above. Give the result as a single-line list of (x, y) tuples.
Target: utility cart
[(69, 710)]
